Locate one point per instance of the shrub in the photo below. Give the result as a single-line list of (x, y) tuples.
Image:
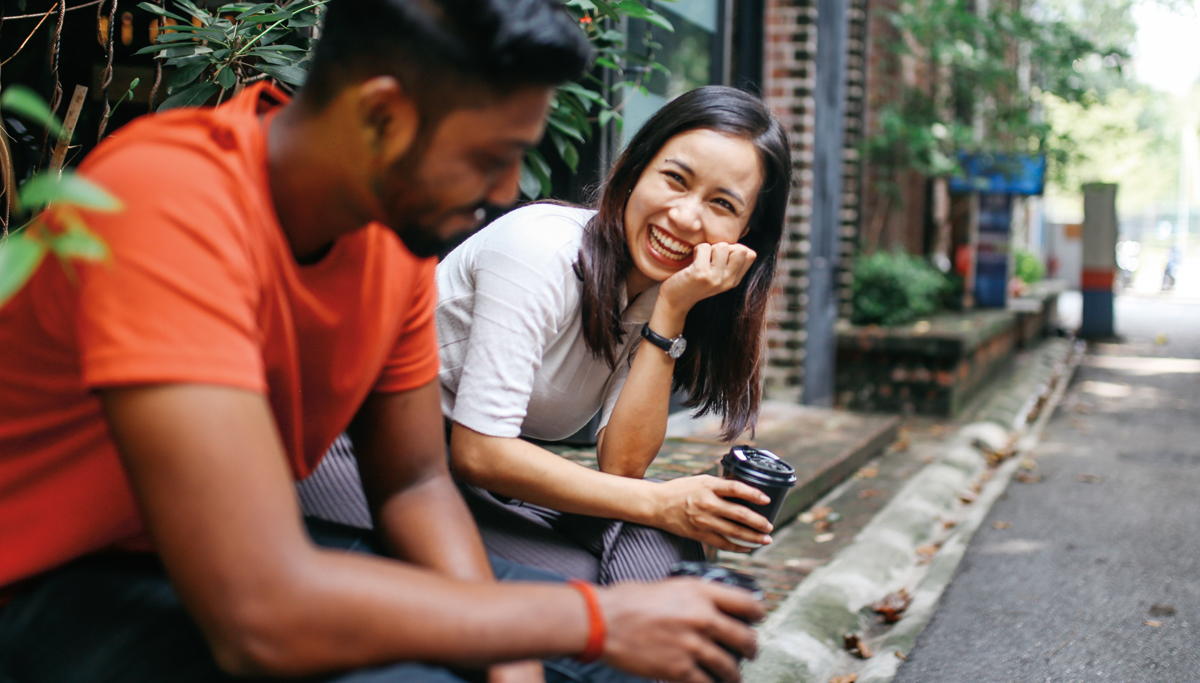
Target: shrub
[(894, 288), (1027, 267)]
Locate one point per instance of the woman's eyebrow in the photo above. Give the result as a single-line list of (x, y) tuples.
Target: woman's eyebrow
[(688, 169)]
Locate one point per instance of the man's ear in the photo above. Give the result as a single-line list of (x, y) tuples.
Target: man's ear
[(388, 118)]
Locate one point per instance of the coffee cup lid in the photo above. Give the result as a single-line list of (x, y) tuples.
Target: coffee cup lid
[(759, 466)]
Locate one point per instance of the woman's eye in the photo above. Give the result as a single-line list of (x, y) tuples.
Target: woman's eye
[(725, 203), (674, 176)]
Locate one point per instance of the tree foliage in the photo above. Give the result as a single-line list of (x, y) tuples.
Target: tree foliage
[(986, 74)]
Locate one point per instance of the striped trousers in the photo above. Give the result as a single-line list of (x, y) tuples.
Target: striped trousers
[(603, 551)]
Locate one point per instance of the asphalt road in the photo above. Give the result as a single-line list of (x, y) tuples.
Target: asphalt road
[(1093, 572)]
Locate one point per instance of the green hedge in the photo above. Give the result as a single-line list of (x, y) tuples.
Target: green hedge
[(894, 288)]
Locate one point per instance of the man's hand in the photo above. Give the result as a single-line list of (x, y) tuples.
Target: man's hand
[(678, 630)]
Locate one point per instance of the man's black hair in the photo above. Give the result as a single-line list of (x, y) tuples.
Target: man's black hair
[(446, 53)]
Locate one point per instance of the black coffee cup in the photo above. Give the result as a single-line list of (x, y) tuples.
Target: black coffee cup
[(764, 471)]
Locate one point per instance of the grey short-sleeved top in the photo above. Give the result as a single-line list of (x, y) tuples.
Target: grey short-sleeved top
[(510, 335)]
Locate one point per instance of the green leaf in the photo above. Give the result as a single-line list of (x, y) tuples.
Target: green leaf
[(69, 189), (607, 63), (186, 75), (161, 11), (540, 169), (561, 126), (608, 115), (566, 151), (255, 9), (270, 18), (190, 8), (585, 5), (194, 95), (226, 78), (303, 20), (580, 91), (27, 103), (20, 257), (531, 187), (292, 75), (79, 243)]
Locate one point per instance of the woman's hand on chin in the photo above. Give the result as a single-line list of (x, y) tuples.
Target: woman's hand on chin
[(715, 268), (695, 508)]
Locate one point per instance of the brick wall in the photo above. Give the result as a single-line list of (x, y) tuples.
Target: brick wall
[(789, 77)]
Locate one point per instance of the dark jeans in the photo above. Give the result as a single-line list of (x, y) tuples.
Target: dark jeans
[(116, 619)]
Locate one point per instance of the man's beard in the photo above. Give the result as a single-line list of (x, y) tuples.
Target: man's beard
[(423, 242), (417, 223)]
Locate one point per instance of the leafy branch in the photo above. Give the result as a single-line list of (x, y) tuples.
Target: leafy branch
[(61, 230)]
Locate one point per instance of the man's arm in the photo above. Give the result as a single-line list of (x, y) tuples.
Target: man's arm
[(400, 445), (421, 517), (209, 472)]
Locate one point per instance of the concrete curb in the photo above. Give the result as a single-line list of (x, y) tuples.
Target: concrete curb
[(802, 641)]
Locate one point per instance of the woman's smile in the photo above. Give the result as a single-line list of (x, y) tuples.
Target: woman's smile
[(665, 246)]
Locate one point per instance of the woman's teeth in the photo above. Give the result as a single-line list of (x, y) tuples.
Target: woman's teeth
[(669, 246)]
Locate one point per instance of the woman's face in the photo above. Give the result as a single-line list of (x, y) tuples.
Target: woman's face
[(700, 187)]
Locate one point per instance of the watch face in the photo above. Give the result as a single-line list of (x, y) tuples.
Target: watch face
[(678, 346)]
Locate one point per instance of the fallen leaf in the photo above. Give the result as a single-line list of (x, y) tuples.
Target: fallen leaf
[(822, 526), (901, 656), (949, 524), (967, 496), (1151, 622), (937, 430), (868, 493), (848, 678), (1028, 464), (1026, 478), (925, 553), (892, 606), (867, 473), (1001, 525), (823, 538), (1090, 478), (1084, 408), (805, 518), (1160, 339), (821, 512), (856, 646), (1162, 610)]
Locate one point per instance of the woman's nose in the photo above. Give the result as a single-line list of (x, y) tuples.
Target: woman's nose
[(685, 213)]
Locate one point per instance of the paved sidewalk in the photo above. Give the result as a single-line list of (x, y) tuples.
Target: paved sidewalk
[(913, 544)]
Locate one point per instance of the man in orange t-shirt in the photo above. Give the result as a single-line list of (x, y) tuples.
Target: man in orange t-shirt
[(270, 286)]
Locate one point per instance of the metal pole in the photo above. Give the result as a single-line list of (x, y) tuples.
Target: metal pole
[(820, 349)]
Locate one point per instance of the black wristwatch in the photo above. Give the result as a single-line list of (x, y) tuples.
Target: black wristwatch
[(674, 347)]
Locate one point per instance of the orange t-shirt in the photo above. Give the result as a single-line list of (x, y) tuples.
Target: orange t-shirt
[(202, 287)]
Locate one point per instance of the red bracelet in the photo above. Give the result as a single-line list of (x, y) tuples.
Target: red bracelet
[(596, 627)]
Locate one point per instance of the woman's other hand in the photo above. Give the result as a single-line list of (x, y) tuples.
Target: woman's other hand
[(696, 508), (715, 268)]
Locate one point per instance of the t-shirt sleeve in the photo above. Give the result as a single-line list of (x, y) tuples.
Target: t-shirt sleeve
[(414, 359), (524, 294), (177, 301)]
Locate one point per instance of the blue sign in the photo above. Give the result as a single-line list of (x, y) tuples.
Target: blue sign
[(1001, 174), (991, 257)]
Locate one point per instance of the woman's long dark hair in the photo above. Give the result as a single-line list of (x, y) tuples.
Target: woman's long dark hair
[(722, 368)]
